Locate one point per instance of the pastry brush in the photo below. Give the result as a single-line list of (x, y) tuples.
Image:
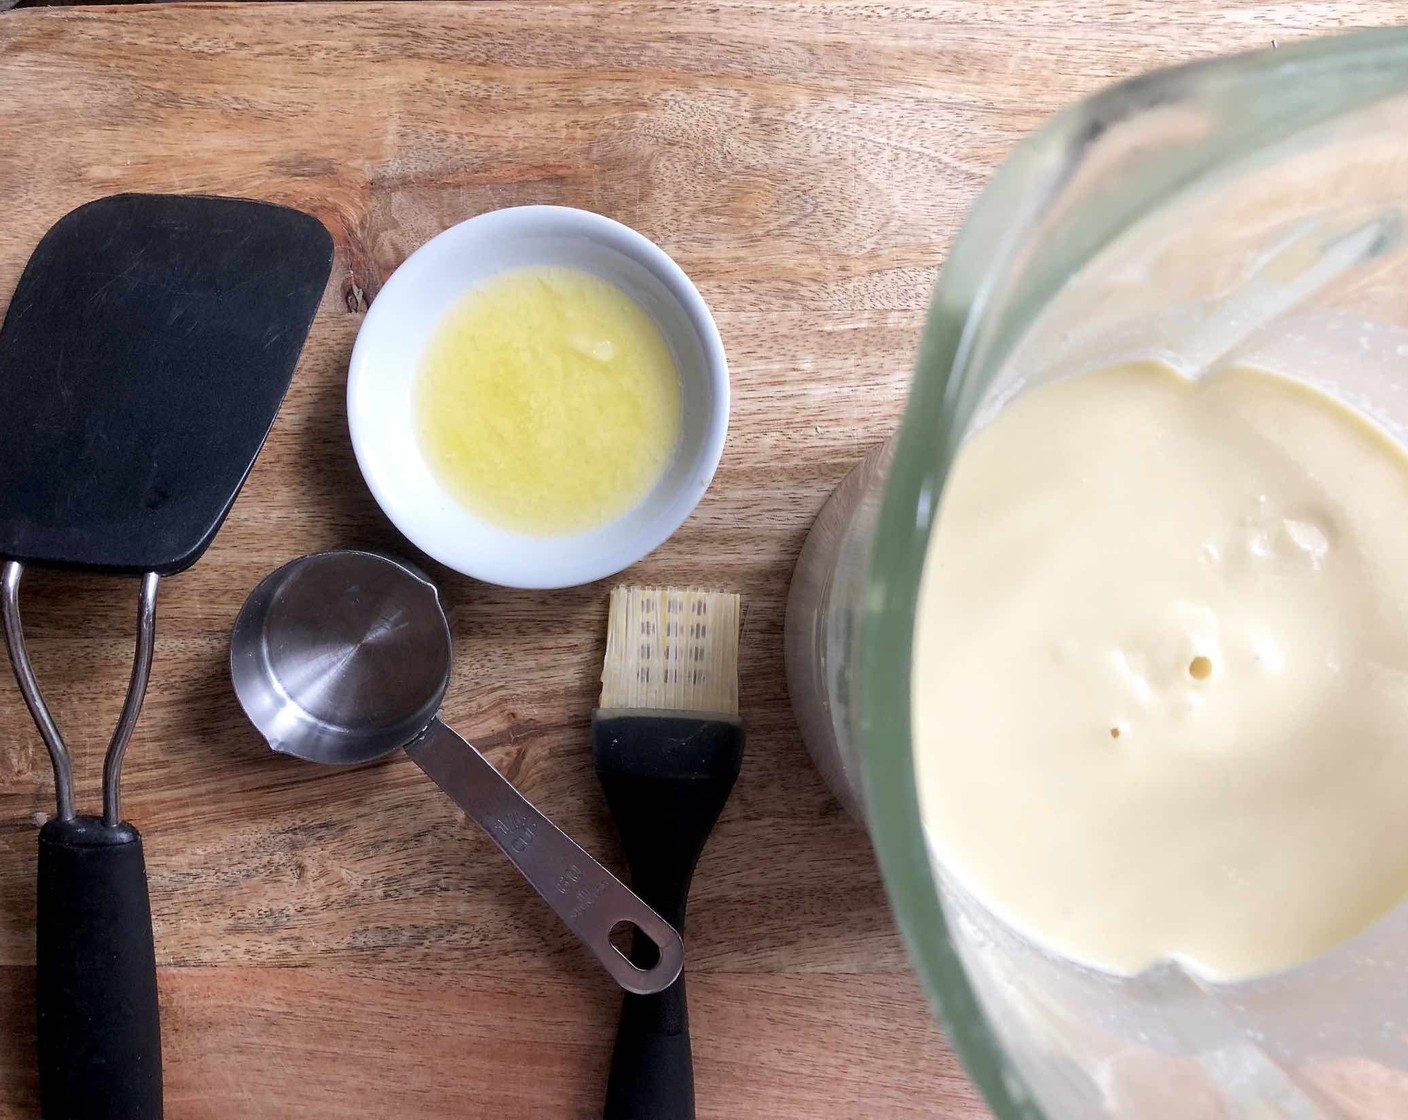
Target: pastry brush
[(667, 744)]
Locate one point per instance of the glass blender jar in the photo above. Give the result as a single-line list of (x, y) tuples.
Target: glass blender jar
[(1248, 210)]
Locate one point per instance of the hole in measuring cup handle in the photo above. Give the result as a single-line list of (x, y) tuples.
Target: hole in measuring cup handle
[(637, 946)]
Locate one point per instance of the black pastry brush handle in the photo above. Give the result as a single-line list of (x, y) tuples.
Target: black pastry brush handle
[(666, 780), (652, 1065), (99, 1034)]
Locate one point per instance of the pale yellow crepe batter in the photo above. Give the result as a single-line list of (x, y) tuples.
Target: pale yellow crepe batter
[(1161, 671)]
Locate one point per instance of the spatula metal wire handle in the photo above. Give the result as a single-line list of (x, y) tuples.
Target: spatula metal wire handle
[(99, 1032), (34, 700)]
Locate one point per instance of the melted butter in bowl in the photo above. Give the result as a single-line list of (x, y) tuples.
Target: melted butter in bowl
[(538, 397), (548, 401)]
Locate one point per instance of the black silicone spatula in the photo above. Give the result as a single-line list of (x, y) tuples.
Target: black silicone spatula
[(144, 355)]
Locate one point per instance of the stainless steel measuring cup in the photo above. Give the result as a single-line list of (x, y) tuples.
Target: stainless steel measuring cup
[(342, 657)]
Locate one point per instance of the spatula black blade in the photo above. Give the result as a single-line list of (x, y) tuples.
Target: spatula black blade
[(143, 358)]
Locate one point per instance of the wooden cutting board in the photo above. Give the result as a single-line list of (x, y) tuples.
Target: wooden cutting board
[(345, 944)]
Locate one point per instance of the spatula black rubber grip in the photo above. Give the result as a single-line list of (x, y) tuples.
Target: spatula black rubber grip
[(99, 1032), (666, 780)]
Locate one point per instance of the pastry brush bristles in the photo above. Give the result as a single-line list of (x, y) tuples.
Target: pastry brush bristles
[(674, 650)]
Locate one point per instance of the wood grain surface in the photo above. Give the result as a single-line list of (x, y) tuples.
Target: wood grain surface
[(343, 943)]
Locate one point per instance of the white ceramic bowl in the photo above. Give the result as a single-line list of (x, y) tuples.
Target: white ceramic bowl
[(387, 358)]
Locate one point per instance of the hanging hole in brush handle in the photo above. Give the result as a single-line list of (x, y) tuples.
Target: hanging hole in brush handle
[(588, 898)]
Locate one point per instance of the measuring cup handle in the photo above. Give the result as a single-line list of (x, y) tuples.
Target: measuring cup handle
[(99, 1033), (587, 897)]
